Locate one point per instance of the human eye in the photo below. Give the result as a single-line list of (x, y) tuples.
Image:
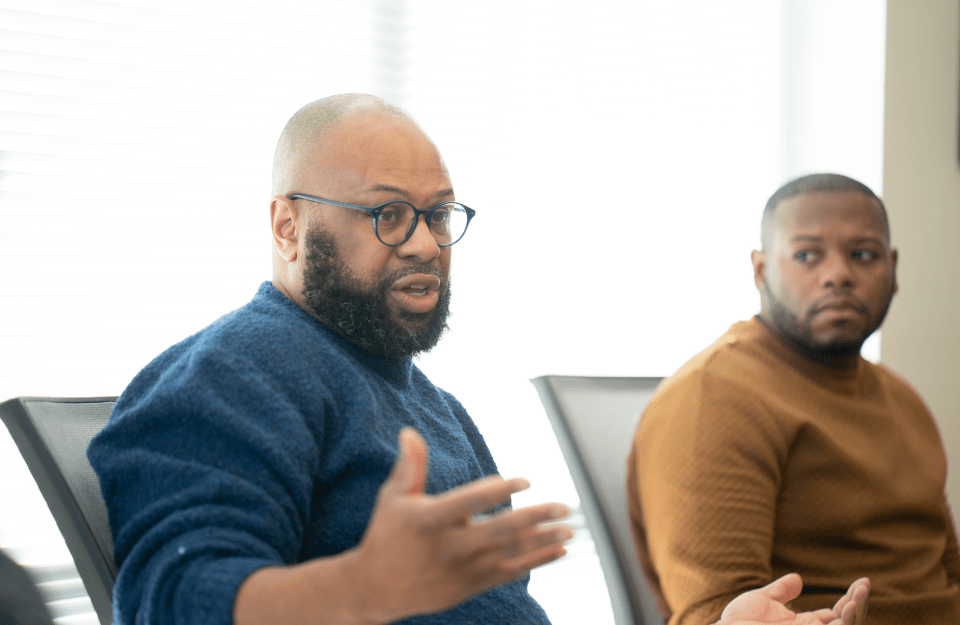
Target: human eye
[(392, 214), (864, 255), (805, 256), (440, 216)]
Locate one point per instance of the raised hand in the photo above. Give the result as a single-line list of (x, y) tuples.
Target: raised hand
[(420, 553), (765, 606), (426, 553)]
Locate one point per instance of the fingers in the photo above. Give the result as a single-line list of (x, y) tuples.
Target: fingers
[(426, 552), (517, 541), (511, 543), (852, 606), (515, 567), (507, 546), (785, 589), (824, 615), (409, 476), (848, 614), (516, 532), (509, 522), (862, 598), (477, 497), (847, 597), (409, 472)]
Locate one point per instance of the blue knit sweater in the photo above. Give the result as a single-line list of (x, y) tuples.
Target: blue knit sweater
[(262, 440)]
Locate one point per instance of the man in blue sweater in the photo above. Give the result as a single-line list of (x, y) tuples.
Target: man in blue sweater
[(273, 468)]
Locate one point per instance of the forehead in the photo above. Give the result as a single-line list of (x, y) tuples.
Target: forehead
[(832, 213), (371, 148)]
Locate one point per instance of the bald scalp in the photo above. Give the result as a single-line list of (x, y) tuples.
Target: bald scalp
[(309, 126), (814, 183)]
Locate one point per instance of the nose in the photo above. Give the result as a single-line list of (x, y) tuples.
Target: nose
[(837, 271), (421, 244)]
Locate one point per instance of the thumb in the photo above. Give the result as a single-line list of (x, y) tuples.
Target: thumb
[(785, 589), (409, 472)]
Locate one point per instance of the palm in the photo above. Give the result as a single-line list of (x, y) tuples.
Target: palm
[(765, 606), (758, 608)]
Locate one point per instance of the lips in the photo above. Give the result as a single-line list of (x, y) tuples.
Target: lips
[(418, 283), (839, 304), (417, 292)]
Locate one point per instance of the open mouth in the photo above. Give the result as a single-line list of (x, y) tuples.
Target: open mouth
[(416, 290), (417, 284), (417, 293)]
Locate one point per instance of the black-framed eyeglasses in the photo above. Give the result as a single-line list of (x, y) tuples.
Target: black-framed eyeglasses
[(394, 222)]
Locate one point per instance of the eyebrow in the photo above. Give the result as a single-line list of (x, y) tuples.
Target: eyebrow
[(811, 238), (403, 192)]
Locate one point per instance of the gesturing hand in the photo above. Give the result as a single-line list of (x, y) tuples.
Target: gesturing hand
[(764, 606), (426, 553)]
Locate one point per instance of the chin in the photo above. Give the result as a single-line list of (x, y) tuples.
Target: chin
[(413, 321), (838, 342), (842, 332)]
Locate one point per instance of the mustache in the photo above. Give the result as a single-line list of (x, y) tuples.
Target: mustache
[(845, 300), (418, 268)]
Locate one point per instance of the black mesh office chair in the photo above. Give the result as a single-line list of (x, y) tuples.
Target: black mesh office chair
[(594, 419), (52, 435)]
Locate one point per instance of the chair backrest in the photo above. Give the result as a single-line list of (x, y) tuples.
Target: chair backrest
[(594, 419), (20, 601), (52, 435)]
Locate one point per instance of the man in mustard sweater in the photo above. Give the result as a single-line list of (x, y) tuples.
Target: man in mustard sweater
[(780, 449)]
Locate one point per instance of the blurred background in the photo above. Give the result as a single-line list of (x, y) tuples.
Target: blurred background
[(618, 154)]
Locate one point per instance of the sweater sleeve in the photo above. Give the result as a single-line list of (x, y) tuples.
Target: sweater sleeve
[(708, 464), (206, 470)]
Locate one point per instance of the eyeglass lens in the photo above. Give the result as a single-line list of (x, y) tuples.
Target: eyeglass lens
[(447, 222)]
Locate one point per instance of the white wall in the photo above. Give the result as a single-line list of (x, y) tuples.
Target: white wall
[(921, 186)]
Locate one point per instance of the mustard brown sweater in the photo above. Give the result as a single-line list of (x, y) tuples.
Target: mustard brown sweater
[(752, 462)]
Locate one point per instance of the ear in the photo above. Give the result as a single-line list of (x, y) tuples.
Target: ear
[(285, 226), (893, 262), (759, 260)]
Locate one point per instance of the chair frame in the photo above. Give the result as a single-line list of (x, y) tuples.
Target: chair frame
[(630, 596), (97, 568)]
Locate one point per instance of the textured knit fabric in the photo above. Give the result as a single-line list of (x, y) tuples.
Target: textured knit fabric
[(263, 440), (752, 462)]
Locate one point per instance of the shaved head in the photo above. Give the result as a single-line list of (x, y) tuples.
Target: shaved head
[(814, 183), (306, 130)]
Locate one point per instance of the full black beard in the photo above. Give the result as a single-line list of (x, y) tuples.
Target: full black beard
[(360, 314), (798, 335)]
